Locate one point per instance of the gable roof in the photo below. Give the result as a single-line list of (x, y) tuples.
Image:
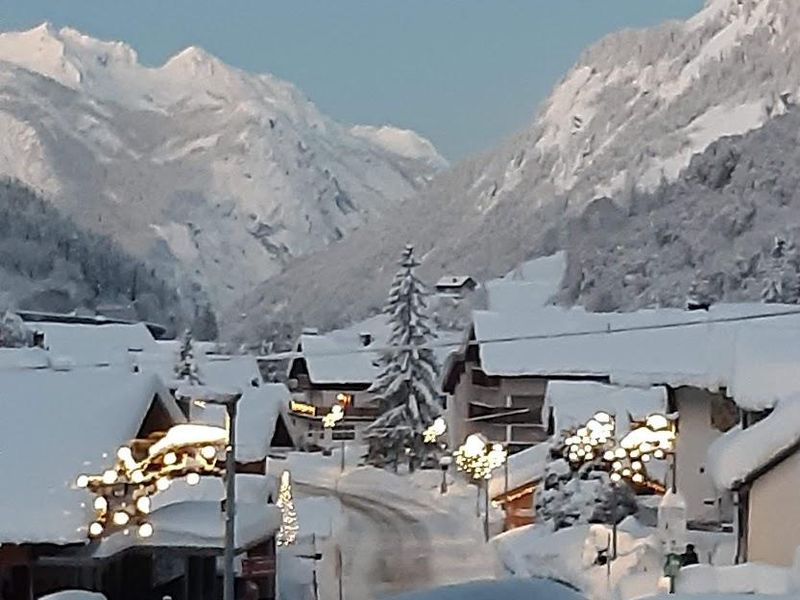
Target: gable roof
[(455, 282), (258, 407), (743, 455), (56, 425), (648, 347), (97, 344)]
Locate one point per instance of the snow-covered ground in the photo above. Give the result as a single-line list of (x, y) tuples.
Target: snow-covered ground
[(389, 532), (569, 555)]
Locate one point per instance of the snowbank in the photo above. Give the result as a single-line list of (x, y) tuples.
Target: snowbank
[(508, 589), (747, 578), (741, 453)]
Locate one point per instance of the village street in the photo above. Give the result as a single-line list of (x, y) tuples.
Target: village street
[(390, 543)]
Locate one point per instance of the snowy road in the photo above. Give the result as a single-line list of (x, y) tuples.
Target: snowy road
[(390, 544)]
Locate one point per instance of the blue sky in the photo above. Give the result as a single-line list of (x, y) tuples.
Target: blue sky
[(464, 73)]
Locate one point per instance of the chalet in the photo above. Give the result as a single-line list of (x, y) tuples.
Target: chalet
[(70, 412), (334, 369), (759, 460), (456, 284), (60, 422), (498, 380)]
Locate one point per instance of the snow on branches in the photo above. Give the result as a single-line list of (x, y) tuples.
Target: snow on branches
[(186, 368), (406, 387)]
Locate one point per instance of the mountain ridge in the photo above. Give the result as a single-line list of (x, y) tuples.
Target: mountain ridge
[(216, 176), (631, 114)]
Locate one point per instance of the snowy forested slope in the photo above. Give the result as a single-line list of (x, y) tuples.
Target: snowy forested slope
[(710, 234), (47, 263), (632, 112), (220, 175)]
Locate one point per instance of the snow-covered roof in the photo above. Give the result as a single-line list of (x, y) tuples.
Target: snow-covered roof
[(575, 402), (338, 360), (96, 344), (742, 454), (530, 286), (525, 467), (765, 364), (56, 425), (258, 407), (186, 516), (453, 281), (699, 353), (198, 524)]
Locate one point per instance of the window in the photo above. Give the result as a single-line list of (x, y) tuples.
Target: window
[(724, 413)]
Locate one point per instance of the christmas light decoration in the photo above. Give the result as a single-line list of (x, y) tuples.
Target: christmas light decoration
[(123, 493), (435, 431), (334, 416), (647, 440), (478, 458), (289, 527)]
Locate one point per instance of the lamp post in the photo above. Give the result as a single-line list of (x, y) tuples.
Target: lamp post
[(479, 459), (230, 400)]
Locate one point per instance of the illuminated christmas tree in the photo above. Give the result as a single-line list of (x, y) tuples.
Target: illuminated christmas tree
[(289, 526)]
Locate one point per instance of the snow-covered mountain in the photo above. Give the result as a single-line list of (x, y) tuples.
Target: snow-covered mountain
[(632, 112), (206, 171)]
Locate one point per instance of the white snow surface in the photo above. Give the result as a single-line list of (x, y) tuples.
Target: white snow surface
[(96, 344), (507, 589), (740, 453), (575, 402), (741, 582), (193, 164), (51, 434)]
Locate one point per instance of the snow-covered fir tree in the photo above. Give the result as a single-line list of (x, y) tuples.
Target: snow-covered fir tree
[(289, 527), (13, 332), (406, 387), (781, 284), (569, 497), (186, 368)]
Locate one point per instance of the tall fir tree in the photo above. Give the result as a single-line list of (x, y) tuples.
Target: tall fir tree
[(186, 368), (406, 387), (781, 284)]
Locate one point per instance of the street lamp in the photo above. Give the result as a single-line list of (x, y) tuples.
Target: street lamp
[(229, 399), (329, 421), (478, 458)]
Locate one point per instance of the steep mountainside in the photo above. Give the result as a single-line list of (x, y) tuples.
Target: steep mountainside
[(196, 164), (631, 113), (711, 233), (49, 264)]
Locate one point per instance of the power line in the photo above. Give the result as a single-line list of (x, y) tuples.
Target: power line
[(281, 356)]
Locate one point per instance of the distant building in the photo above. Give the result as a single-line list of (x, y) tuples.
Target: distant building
[(332, 370), (456, 284)]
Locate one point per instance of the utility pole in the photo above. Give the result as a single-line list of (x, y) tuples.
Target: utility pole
[(230, 500), (486, 509)]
